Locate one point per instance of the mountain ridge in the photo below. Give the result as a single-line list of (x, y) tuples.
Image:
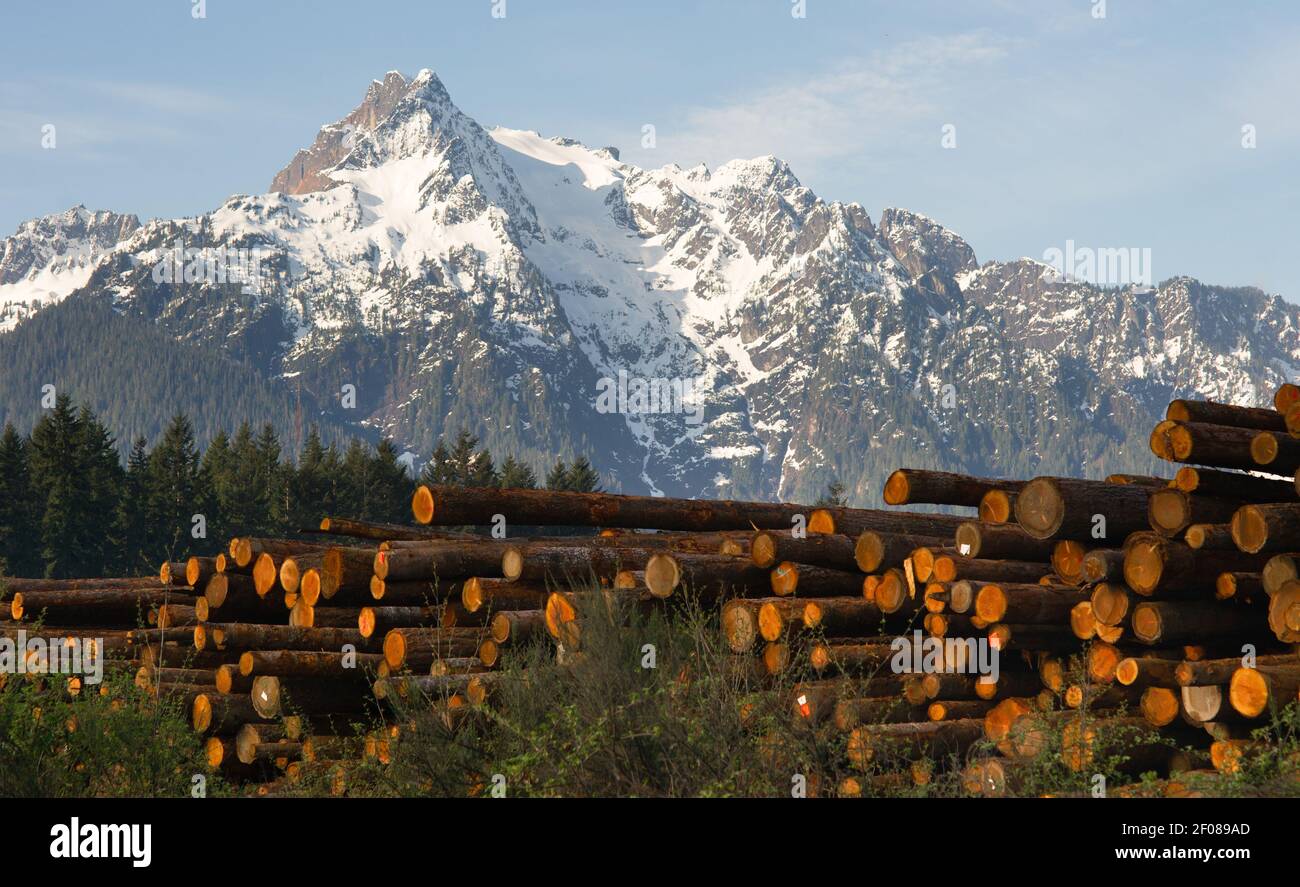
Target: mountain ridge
[(491, 279)]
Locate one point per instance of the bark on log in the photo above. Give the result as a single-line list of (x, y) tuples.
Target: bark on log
[(501, 594), (1067, 508), (1170, 511), (449, 560), (1167, 622), (1166, 566), (453, 506), (243, 636), (1267, 528), (306, 663), (1212, 413), (854, 522), (917, 486), (1026, 603), (1233, 485), (768, 548), (1000, 542), (997, 507), (1210, 537), (380, 532), (789, 579), (709, 577)]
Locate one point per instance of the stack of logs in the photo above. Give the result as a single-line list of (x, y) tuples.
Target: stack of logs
[(1133, 599)]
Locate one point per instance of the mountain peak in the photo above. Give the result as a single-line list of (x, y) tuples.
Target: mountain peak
[(306, 172)]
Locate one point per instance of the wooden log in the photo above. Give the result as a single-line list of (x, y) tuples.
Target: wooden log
[(271, 695), (1284, 612), (779, 616), (1156, 564), (1000, 542), (372, 621), (1233, 485), (214, 714), (1168, 622), (1103, 565), (480, 593), (102, 604), (709, 577), (850, 658), (344, 567), (13, 585), (229, 680), (842, 616), (789, 579), (1278, 570), (1267, 528), (381, 532), (739, 623), (1170, 511), (417, 647), (1244, 587), (455, 506), (1026, 603), (1211, 537), (449, 560), (1140, 671), (305, 663), (245, 550), (932, 739), (244, 636), (1224, 446), (768, 548), (1054, 507), (951, 568), (1112, 602), (570, 563), (917, 486), (1253, 691), (172, 574), (517, 626), (1213, 413), (854, 522), (997, 507), (1206, 672)]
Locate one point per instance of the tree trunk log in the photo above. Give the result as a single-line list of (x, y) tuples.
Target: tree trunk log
[(916, 486)]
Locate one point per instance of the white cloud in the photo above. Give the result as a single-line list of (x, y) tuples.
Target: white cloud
[(858, 105)]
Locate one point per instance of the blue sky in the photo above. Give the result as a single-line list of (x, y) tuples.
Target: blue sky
[(1117, 131)]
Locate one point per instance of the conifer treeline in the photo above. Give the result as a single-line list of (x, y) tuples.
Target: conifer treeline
[(69, 508)]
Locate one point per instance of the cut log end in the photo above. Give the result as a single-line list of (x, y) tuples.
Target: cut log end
[(662, 574), (422, 505), (1040, 508), (896, 488)]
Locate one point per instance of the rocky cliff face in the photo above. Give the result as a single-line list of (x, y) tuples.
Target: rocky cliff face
[(694, 331)]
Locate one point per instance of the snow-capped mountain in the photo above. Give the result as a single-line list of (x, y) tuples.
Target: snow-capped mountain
[(50, 257), (531, 288)]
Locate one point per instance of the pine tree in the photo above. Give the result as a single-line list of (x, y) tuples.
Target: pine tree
[(482, 473), (133, 511), (558, 477), (582, 477), (270, 487), (177, 492), (354, 489), (19, 555), (220, 477), (460, 463), (516, 475), (391, 486), (75, 468), (437, 470), (310, 496)]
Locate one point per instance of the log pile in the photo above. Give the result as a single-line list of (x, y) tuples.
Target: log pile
[(1132, 599)]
